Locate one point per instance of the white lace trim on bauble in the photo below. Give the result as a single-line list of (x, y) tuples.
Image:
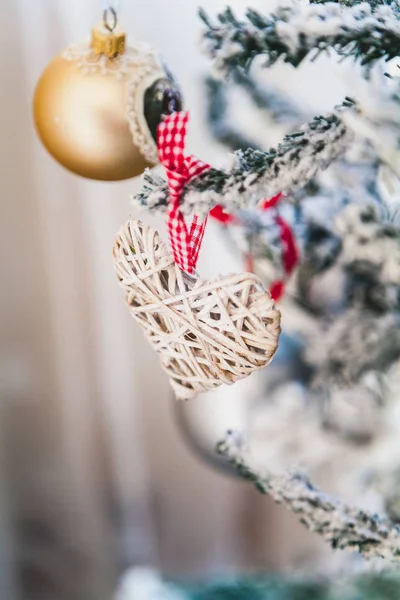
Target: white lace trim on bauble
[(137, 86)]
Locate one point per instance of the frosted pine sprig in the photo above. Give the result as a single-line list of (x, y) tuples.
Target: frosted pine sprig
[(252, 174), (341, 525), (364, 31), (377, 118), (372, 3)]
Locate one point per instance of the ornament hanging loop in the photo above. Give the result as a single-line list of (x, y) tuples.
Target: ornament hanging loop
[(110, 18), (106, 39)]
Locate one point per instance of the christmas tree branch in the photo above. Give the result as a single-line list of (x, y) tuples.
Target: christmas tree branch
[(280, 108), (377, 116), (253, 174), (275, 104), (373, 3), (365, 32), (343, 526), (222, 131)]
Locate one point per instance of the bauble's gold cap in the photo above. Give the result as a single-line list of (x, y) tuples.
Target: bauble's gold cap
[(110, 43)]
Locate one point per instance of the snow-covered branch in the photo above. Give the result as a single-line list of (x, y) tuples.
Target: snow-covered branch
[(253, 174), (364, 31), (372, 3), (377, 118), (341, 525)]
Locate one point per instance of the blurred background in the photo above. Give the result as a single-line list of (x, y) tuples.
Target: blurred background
[(99, 469)]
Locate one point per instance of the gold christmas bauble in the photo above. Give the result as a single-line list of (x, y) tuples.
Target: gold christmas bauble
[(97, 106)]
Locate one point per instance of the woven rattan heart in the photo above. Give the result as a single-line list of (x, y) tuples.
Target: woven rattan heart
[(207, 332)]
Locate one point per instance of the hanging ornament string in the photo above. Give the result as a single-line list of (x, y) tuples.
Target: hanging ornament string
[(290, 253), (180, 169)]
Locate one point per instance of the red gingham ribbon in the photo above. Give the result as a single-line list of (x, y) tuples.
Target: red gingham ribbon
[(180, 169), (290, 253)]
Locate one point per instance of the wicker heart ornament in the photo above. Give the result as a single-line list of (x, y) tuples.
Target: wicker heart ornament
[(206, 332)]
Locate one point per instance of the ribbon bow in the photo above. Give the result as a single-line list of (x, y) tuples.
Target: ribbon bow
[(180, 169)]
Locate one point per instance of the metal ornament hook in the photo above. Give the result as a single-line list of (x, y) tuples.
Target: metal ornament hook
[(110, 14)]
